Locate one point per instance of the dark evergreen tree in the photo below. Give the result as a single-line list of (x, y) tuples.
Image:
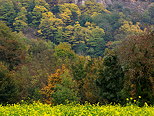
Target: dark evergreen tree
[(8, 88), (110, 81)]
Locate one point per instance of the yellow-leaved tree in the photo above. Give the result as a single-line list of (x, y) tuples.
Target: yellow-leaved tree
[(69, 13)]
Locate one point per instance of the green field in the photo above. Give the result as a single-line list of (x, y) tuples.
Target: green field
[(39, 109)]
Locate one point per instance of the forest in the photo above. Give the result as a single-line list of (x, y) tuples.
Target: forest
[(55, 52)]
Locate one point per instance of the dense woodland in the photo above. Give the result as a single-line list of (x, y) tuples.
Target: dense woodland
[(55, 51)]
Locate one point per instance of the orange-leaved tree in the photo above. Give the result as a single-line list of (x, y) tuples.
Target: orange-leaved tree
[(53, 79)]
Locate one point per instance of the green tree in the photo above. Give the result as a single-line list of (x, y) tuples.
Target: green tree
[(66, 89), (57, 2), (96, 43), (37, 15), (51, 28), (64, 51), (7, 12), (85, 71), (60, 87), (111, 78), (92, 8), (68, 34), (109, 22), (41, 3), (8, 87), (89, 38), (21, 20)]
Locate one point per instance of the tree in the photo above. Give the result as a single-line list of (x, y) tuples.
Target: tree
[(12, 50), (79, 73), (91, 8), (66, 90), (69, 13), (8, 87), (37, 15), (21, 20), (7, 12), (57, 2), (48, 90), (85, 71), (51, 28), (63, 50), (136, 56), (41, 3), (111, 78), (89, 38), (60, 87), (128, 29), (33, 74), (96, 43)]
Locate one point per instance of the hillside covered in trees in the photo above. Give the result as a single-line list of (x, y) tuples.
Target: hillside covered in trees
[(57, 51)]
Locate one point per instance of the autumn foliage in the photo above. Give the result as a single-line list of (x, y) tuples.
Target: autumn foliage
[(53, 79)]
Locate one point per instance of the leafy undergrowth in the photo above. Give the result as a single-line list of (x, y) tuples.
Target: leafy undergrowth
[(39, 109)]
